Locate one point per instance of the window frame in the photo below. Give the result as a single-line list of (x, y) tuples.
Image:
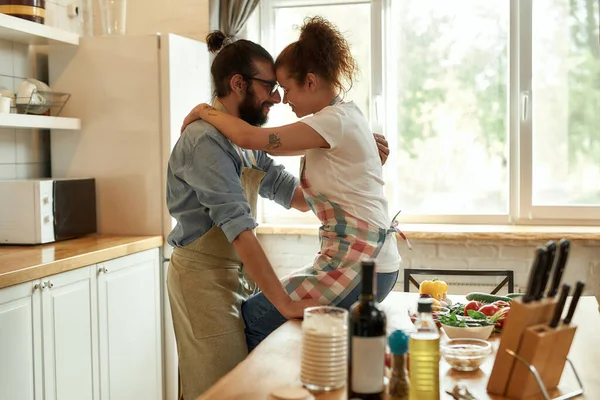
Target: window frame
[(521, 210)]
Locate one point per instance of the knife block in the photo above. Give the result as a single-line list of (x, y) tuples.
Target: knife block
[(522, 316), (536, 349), (546, 349), (553, 370)]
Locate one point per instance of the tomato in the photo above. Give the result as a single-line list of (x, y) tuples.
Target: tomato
[(489, 309), (501, 304), (472, 305)]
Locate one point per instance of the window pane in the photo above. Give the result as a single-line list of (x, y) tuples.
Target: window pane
[(353, 20), (566, 103), (451, 67)]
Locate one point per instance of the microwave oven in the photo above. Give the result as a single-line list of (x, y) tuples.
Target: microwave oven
[(37, 211)]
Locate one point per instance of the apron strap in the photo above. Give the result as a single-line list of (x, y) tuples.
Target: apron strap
[(242, 153), (394, 227), (252, 157)]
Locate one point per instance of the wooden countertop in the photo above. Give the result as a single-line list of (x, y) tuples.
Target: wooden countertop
[(20, 264), (276, 361)]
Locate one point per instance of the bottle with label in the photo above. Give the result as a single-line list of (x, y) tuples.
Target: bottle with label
[(424, 355), (367, 327)]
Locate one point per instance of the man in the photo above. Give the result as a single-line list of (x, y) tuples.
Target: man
[(212, 188)]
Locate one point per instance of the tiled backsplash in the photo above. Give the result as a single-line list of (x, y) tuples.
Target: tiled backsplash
[(25, 153)]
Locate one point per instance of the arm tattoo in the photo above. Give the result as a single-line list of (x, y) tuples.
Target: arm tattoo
[(210, 109), (274, 142)]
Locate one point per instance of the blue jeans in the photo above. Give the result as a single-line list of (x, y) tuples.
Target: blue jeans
[(262, 318)]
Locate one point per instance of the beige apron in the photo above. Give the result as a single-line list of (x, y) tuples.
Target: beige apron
[(206, 286)]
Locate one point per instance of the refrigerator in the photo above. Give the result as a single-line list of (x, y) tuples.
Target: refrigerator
[(132, 94)]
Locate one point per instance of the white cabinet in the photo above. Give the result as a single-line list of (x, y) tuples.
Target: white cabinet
[(70, 336), (21, 342), (48, 339), (87, 334), (130, 327)]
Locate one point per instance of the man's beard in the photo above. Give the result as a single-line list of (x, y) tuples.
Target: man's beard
[(251, 112)]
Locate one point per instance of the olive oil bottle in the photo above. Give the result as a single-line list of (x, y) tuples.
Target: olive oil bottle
[(424, 355)]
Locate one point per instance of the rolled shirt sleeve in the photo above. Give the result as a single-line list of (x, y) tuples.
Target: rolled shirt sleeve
[(214, 175), (278, 184)]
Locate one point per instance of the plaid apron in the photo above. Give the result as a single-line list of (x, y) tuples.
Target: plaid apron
[(345, 241)]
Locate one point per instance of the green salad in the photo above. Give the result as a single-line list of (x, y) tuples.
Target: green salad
[(454, 316)]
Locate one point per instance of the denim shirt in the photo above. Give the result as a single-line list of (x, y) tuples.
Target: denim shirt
[(204, 185)]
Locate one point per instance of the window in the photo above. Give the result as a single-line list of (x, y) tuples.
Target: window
[(491, 108), (448, 80), (565, 108)]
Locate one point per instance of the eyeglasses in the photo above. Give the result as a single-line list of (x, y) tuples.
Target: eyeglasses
[(273, 85)]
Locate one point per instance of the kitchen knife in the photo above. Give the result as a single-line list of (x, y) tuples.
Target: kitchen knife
[(563, 254), (576, 295), (551, 252), (560, 306), (535, 274)]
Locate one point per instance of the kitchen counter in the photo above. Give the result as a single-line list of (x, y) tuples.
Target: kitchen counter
[(20, 264)]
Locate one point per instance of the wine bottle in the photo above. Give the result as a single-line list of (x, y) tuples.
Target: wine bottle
[(367, 326)]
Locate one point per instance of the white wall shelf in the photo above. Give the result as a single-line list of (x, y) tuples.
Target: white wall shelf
[(23, 31), (38, 121)]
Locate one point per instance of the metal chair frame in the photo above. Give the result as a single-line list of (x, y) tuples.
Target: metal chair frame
[(509, 276)]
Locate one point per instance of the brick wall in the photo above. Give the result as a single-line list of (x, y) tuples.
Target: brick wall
[(288, 252)]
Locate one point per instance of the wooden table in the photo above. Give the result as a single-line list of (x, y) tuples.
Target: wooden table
[(276, 361)]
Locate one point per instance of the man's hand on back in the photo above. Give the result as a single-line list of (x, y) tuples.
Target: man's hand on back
[(382, 146)]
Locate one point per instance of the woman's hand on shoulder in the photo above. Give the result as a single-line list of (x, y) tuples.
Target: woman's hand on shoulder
[(198, 112)]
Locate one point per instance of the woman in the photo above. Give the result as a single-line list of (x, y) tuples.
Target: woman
[(341, 175)]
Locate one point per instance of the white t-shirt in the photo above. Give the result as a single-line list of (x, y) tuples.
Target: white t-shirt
[(349, 173)]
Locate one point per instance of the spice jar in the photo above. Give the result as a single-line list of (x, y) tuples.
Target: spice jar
[(397, 388)]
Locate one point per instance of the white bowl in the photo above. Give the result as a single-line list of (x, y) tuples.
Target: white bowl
[(476, 332)]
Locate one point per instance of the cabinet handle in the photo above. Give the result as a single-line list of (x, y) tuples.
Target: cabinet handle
[(39, 286), (50, 284), (102, 270)]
